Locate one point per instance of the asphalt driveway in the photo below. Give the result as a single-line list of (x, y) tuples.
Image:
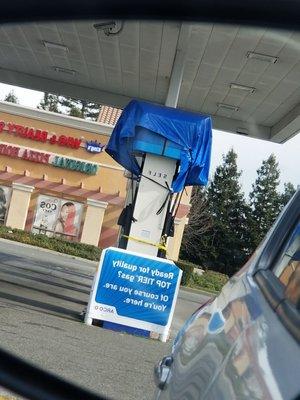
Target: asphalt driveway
[(41, 297)]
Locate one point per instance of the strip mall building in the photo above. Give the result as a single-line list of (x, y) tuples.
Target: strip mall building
[(56, 179)]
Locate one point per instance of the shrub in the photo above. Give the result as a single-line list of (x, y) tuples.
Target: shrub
[(209, 280), (187, 269), (51, 243)]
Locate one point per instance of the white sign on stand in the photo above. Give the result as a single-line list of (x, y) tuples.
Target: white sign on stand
[(134, 290)]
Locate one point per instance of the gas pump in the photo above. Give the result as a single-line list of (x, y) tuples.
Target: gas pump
[(163, 150), (152, 194)]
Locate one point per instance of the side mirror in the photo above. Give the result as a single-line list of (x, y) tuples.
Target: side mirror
[(162, 371)]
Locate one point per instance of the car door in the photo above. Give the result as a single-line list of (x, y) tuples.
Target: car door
[(245, 345), (264, 361)]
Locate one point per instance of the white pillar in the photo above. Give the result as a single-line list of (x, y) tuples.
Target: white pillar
[(19, 204), (93, 221), (174, 243)]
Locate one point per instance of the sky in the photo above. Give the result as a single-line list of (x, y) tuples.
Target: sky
[(251, 152)]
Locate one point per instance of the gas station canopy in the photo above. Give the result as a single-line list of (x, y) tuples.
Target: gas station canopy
[(247, 79)]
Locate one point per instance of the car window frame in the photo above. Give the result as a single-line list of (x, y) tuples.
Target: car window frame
[(283, 253), (285, 223), (263, 273)]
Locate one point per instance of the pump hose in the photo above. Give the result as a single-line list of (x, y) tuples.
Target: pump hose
[(167, 187)]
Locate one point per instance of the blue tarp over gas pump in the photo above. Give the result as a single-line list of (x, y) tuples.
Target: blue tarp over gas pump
[(188, 134)]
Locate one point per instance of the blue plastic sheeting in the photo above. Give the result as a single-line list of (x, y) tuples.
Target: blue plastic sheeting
[(192, 132)]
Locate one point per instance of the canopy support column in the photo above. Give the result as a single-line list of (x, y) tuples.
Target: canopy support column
[(178, 66)]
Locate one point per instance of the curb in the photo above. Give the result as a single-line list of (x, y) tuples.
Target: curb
[(199, 291), (29, 246)]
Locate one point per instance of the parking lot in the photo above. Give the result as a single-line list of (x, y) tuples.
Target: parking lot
[(41, 297)]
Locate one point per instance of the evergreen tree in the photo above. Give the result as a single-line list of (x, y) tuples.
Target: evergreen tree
[(11, 97), (226, 246), (80, 108), (75, 112), (289, 190), (264, 200), (197, 229), (49, 102)]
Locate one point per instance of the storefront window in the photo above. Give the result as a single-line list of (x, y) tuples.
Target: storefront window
[(57, 217), (5, 193)]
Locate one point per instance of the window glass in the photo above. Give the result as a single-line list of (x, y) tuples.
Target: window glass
[(57, 217), (5, 194), (288, 267)]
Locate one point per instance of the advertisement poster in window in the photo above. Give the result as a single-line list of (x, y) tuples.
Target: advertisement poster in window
[(57, 217), (69, 218), (46, 215), (5, 194)]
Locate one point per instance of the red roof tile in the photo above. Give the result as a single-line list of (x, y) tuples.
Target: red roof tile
[(62, 188)]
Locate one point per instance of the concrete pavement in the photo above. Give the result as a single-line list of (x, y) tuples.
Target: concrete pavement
[(41, 297)]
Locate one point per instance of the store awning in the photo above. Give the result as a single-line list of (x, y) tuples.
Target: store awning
[(60, 188)]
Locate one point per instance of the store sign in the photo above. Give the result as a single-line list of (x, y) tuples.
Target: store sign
[(26, 154), (56, 216), (48, 158), (134, 290), (94, 147), (74, 165), (39, 135)]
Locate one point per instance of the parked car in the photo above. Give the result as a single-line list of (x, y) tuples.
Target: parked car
[(244, 344)]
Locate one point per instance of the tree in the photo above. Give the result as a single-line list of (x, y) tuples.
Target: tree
[(225, 247), (289, 190), (199, 224), (229, 212), (49, 102), (264, 200), (11, 97), (80, 108), (73, 107), (75, 112)]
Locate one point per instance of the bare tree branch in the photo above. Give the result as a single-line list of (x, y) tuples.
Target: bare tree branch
[(199, 223)]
